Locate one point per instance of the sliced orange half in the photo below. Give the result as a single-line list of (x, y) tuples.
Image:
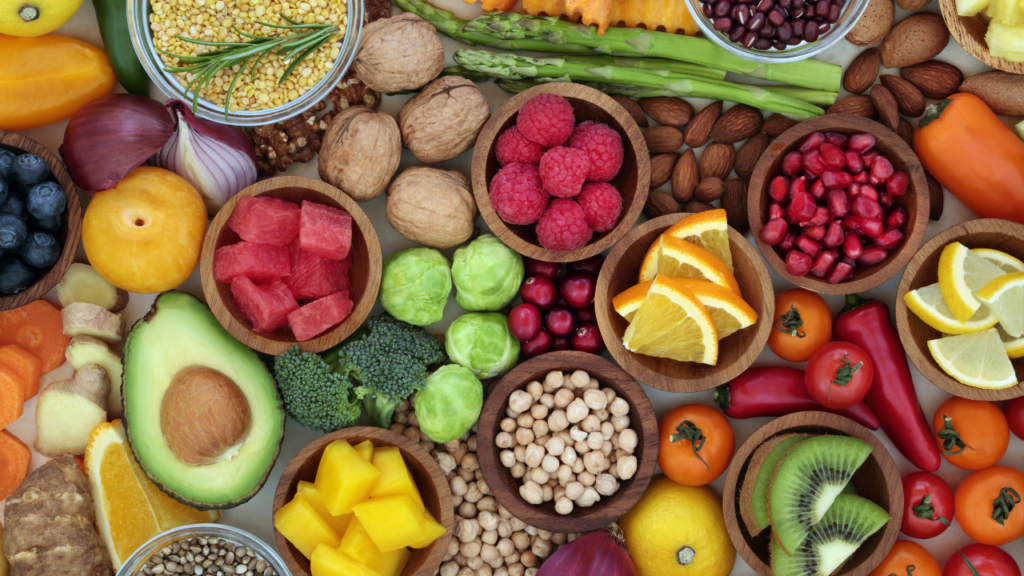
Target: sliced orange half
[(672, 323), (729, 312), (627, 302), (677, 258), (709, 230)]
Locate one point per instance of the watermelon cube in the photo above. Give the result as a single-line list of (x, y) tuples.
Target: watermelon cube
[(258, 262), (317, 316), (314, 276), (325, 231), (266, 306), (344, 283), (265, 220)]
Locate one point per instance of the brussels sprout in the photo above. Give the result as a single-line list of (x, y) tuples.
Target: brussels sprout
[(450, 403), (415, 285), (482, 342), (487, 274)]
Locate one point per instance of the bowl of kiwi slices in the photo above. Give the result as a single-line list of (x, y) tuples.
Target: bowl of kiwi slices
[(813, 490)]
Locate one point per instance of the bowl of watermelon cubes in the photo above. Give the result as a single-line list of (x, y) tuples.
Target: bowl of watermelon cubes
[(291, 261)]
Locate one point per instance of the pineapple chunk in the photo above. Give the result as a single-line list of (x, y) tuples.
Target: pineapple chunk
[(395, 478), (1020, 129), (1006, 41), (357, 544), (365, 449), (432, 530), (970, 7), (1007, 12), (308, 491), (299, 523), (392, 522), (344, 478), (327, 561)]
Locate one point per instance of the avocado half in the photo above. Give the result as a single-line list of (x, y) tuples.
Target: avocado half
[(202, 412)]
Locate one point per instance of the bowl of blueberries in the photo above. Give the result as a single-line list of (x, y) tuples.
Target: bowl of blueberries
[(40, 220)]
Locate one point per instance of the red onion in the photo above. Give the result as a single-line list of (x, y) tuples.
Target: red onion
[(596, 553)]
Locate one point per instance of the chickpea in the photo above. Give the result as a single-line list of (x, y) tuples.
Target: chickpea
[(509, 412), (453, 547), (504, 440), (528, 558), (524, 436), (505, 547), (542, 546), (549, 492), (620, 423), (397, 428), (521, 540), (591, 423), (515, 569), (471, 462), (558, 538), (465, 473), (554, 379), (626, 467), (474, 494), (458, 486), (563, 398), (525, 420), (520, 401), (412, 434), (488, 553), (595, 440), (540, 428), (535, 389), (569, 456), (531, 492), (475, 563), (557, 492), (558, 421), (607, 448), (467, 531), (580, 378), (610, 394), (564, 473), (518, 471), (595, 399), (504, 528), (594, 462), (534, 455), (555, 446), (547, 400), (508, 425), (589, 497), (576, 411), (550, 464), (539, 475), (467, 510), (446, 462), (471, 549), (488, 520), (603, 415), (581, 448), (586, 478), (628, 440), (618, 407), (606, 485), (574, 490), (449, 569), (578, 466), (471, 443)]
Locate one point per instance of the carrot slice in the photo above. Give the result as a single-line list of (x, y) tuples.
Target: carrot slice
[(38, 328), (14, 460), (12, 396), (24, 364)]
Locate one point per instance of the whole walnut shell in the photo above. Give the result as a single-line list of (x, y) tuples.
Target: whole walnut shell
[(431, 206), (360, 152), (443, 120), (400, 53)]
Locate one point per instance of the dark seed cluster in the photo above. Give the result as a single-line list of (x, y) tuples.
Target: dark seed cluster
[(778, 24)]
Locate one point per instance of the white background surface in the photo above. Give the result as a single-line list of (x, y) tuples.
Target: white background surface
[(255, 516)]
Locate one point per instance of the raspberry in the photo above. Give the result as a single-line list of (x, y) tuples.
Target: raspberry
[(513, 147), (601, 205), (547, 120), (563, 226), (563, 171), (517, 194), (603, 146)]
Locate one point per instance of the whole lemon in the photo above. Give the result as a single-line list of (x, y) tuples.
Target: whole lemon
[(677, 530), (30, 18)]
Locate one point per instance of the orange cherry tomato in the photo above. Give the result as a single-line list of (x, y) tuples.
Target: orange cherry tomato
[(696, 444), (908, 558), (802, 324), (988, 505), (972, 434)]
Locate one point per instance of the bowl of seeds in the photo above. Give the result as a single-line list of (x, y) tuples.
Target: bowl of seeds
[(209, 549)]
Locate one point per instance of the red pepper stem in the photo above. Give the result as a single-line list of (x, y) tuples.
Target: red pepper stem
[(723, 397)]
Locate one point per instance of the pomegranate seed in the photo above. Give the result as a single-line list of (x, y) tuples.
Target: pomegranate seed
[(897, 183), (798, 263), (775, 210), (778, 188), (834, 235), (822, 216), (881, 170), (889, 239), (799, 185), (792, 164), (852, 246), (861, 177), (817, 189), (801, 209), (813, 163), (813, 141), (873, 255), (832, 156), (868, 191), (861, 143), (865, 207), (851, 262), (837, 202), (816, 233), (840, 272), (896, 218), (852, 223), (823, 263), (836, 139), (886, 200), (808, 246), (871, 227), (833, 179), (854, 162), (773, 231), (788, 242)]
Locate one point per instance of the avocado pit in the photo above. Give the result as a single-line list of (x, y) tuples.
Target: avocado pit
[(204, 415)]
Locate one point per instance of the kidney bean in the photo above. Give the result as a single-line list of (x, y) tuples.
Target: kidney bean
[(810, 32), (737, 33), (889, 239), (873, 255), (765, 5), (822, 265), (779, 45), (722, 8), (823, 27), (896, 218), (833, 13), (798, 263), (708, 11), (798, 25), (767, 32), (774, 231), (777, 17), (722, 24), (756, 23), (852, 246), (840, 272), (834, 235), (837, 202), (763, 43), (784, 32)]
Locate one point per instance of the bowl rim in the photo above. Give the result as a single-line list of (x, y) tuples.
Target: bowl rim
[(139, 557), (325, 340), (488, 137), (978, 50), (73, 223), (757, 192), (925, 363), (656, 379)]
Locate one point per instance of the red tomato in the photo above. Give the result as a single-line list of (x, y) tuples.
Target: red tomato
[(984, 559), (1015, 416), (927, 505), (838, 375)]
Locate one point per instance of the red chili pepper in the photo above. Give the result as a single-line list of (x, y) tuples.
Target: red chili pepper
[(777, 391), (891, 396)]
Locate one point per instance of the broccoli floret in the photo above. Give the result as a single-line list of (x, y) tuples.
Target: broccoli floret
[(314, 395)]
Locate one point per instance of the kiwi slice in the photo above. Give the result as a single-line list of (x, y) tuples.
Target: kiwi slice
[(754, 494), (845, 526), (807, 482)]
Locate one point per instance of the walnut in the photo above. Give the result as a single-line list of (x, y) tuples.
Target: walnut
[(360, 152), (375, 10), (444, 119), (293, 140), (400, 53), (430, 206), (351, 91)]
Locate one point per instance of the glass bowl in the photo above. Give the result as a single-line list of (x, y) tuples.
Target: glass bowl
[(137, 561), (852, 11), (142, 40)]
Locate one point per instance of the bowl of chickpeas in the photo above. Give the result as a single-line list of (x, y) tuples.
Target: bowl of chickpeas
[(567, 441)]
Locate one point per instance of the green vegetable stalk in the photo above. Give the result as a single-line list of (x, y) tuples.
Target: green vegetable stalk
[(112, 17)]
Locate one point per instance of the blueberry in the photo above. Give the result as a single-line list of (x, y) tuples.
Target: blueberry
[(6, 163), (13, 205), (51, 225), (40, 250), (46, 200), (12, 232), (15, 276), (29, 170), (3, 190)]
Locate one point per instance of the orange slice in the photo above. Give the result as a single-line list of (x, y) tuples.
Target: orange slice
[(627, 302), (672, 323), (677, 258), (709, 230), (729, 312)]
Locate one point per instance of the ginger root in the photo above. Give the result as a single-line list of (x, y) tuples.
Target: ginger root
[(68, 410), (82, 283), (84, 350), (91, 320)]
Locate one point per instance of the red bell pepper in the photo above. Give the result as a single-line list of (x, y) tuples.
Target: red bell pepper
[(891, 396), (777, 391)]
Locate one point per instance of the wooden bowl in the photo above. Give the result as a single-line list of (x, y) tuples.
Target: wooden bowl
[(430, 480), (923, 270), (877, 479), (736, 353), (632, 181), (506, 488), (915, 201), (970, 34), (364, 275), (71, 228)]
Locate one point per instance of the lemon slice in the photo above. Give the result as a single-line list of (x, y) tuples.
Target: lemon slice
[(928, 305), (677, 258), (627, 302), (672, 323), (729, 312), (977, 359), (1004, 261), (709, 230), (961, 274), (1014, 346), (1005, 297)]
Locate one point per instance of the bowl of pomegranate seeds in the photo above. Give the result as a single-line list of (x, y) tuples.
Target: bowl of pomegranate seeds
[(838, 204), (560, 172)]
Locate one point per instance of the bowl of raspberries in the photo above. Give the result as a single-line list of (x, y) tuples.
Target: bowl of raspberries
[(560, 172), (40, 220)]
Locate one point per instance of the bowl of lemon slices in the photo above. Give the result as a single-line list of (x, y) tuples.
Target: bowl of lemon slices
[(684, 302), (960, 310)]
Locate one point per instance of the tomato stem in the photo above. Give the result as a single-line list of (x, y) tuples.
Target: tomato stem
[(910, 570), (844, 374), (967, 561), (687, 430), (1004, 503), (790, 323), (952, 443), (926, 511)]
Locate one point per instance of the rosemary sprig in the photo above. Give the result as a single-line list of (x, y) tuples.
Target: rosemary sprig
[(293, 48)]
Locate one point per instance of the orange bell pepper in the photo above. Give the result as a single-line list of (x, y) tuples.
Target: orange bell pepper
[(46, 79), (969, 150)]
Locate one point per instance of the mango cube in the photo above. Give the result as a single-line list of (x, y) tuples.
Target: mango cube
[(432, 530), (329, 562), (303, 527), (365, 449), (395, 478), (357, 544), (308, 491), (344, 478), (392, 522)]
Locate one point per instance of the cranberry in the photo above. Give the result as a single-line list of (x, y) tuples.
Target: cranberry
[(822, 265), (537, 346), (872, 255), (897, 183), (788, 242), (798, 263), (861, 143), (813, 164), (549, 270), (840, 272), (837, 139), (586, 314), (524, 322), (808, 246), (773, 231), (896, 218), (577, 289), (591, 265), (817, 189), (865, 207), (833, 156), (852, 246), (792, 164), (834, 235), (854, 163), (561, 343), (801, 209), (815, 233), (833, 179), (881, 170), (889, 239), (775, 210), (813, 141), (559, 322), (539, 291), (587, 338), (797, 186), (779, 188), (871, 227)]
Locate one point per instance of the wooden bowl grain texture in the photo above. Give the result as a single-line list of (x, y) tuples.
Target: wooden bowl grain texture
[(429, 478), (506, 488), (923, 270), (736, 353), (71, 227), (915, 201), (364, 275), (632, 181), (970, 34), (877, 479)]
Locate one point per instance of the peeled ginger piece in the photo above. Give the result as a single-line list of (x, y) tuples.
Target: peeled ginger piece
[(1006, 41)]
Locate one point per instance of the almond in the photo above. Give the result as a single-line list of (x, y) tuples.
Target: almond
[(749, 154), (885, 105), (912, 5), (667, 111), (908, 97), (734, 201), (933, 78), (859, 105), (738, 123), (717, 160), (661, 139), (915, 39), (935, 197), (861, 73), (684, 176), (661, 168), (699, 129), (873, 25), (776, 124), (659, 204), (632, 108), (906, 131), (709, 189), (1002, 91), (695, 206)]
